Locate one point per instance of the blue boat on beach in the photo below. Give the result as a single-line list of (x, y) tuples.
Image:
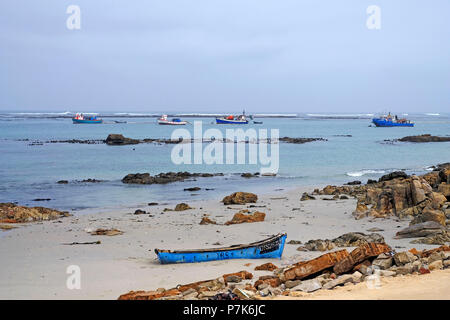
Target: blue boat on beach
[(80, 118), (264, 249), (389, 121)]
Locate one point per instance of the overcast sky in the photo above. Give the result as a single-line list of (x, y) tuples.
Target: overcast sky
[(219, 56)]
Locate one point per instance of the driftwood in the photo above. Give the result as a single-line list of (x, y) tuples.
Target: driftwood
[(75, 243)]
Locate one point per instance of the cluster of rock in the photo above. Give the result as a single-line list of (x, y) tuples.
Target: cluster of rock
[(89, 180), (351, 239), (78, 141), (12, 213), (328, 271), (240, 198), (120, 140), (424, 138), (162, 178), (300, 140), (422, 199)]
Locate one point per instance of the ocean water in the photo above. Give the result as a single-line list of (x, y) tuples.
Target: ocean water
[(354, 150)]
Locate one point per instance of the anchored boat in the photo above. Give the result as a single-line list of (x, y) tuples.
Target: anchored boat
[(174, 122), (80, 118), (392, 121), (268, 248)]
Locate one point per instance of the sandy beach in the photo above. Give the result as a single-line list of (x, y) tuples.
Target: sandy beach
[(35, 258)]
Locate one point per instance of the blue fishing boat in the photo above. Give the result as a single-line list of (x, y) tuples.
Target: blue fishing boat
[(390, 121), (241, 119), (268, 248), (80, 118)]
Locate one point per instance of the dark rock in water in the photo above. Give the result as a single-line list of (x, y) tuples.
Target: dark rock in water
[(162, 178), (138, 178), (12, 213), (193, 189), (153, 204), (343, 197), (38, 199), (370, 181), (393, 175), (139, 211), (91, 180), (119, 140), (438, 238), (249, 175), (352, 183), (240, 198), (424, 138), (429, 214), (423, 229), (63, 182)]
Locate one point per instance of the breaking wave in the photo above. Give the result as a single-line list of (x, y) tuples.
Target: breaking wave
[(364, 172)]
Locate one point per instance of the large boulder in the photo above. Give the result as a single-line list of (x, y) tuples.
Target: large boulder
[(240, 198), (393, 175), (444, 188), (421, 230), (351, 239), (182, 207), (12, 213), (163, 178), (241, 217), (429, 214), (424, 138)]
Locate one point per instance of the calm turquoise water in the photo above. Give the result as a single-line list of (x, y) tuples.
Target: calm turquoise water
[(28, 172)]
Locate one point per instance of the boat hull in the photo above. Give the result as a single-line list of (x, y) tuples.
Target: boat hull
[(270, 248), (77, 121), (384, 123), (227, 121)]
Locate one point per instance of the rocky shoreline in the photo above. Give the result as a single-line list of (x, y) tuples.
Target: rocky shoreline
[(367, 263), (120, 140)]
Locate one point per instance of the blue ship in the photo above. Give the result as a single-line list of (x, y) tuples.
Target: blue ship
[(389, 121), (231, 121), (268, 248), (80, 118)]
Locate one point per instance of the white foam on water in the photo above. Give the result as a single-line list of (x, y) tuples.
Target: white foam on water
[(364, 172)]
